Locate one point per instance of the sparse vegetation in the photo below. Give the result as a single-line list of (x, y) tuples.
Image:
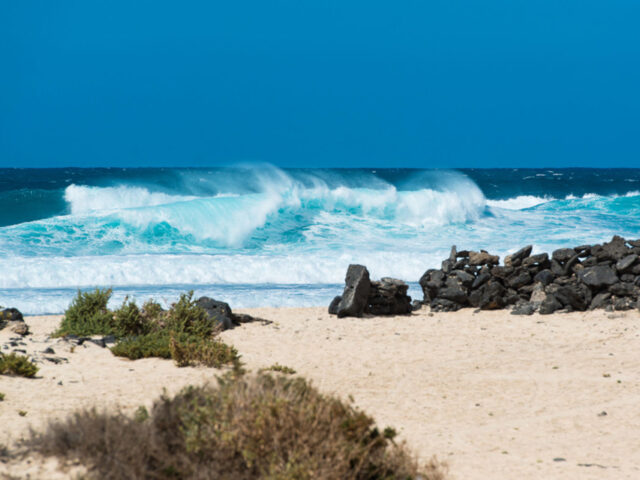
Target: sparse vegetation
[(88, 315), (22, 413), (192, 350), (184, 333), (276, 367), (18, 365), (271, 427), (153, 344), (2, 397)]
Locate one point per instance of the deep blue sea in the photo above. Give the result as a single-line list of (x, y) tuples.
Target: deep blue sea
[(262, 236)]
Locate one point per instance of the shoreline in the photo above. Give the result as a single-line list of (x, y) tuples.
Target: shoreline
[(477, 389)]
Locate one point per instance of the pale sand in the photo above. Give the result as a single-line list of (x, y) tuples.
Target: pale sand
[(494, 395)]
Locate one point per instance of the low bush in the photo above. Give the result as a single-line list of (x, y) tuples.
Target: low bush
[(153, 344), (128, 320), (18, 365), (88, 315), (277, 428), (192, 350), (184, 333)]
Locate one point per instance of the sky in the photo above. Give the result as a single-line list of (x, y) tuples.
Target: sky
[(439, 83)]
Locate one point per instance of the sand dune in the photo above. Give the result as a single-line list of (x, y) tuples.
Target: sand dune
[(494, 395)]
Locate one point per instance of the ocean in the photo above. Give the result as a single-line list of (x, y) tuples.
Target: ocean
[(257, 235)]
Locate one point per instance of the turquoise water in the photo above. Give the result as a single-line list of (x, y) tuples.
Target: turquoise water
[(258, 235)]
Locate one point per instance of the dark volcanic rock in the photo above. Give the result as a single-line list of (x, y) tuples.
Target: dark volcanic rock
[(587, 276), (545, 277), (457, 295), (488, 297), (539, 259), (556, 268), (465, 278), (571, 296), (480, 280), (220, 312), (519, 280), (333, 306), (524, 308), (623, 289), (388, 297), (356, 292), (597, 277), (10, 315), (583, 250), (431, 282), (600, 300), (444, 305), (483, 258), (614, 250), (515, 259), (549, 305), (447, 266), (563, 254), (502, 272), (626, 262), (571, 264)]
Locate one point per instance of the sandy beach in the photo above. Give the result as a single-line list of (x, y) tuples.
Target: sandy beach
[(491, 394)]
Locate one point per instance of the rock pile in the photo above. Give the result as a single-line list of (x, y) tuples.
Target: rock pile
[(361, 295), (585, 277)]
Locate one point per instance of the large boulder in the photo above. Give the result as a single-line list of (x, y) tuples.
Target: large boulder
[(389, 297), (217, 311), (356, 292), (598, 276)]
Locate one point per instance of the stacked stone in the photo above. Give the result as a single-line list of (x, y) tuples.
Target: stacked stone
[(580, 278), (361, 295)]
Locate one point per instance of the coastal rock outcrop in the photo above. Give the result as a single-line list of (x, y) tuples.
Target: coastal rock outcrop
[(388, 296), (580, 278)]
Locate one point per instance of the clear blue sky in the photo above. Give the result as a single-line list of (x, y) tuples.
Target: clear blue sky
[(323, 83)]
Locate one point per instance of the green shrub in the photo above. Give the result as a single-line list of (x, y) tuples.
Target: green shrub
[(148, 332), (153, 344), (88, 315), (2, 396), (128, 320), (192, 350), (152, 311), (277, 428), (186, 317), (19, 365)]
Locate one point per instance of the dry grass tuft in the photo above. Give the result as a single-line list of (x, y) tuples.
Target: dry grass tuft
[(276, 428)]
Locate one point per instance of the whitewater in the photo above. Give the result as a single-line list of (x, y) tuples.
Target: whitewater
[(257, 235)]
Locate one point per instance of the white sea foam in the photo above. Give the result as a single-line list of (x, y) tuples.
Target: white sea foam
[(518, 203), (83, 199), (157, 270)]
